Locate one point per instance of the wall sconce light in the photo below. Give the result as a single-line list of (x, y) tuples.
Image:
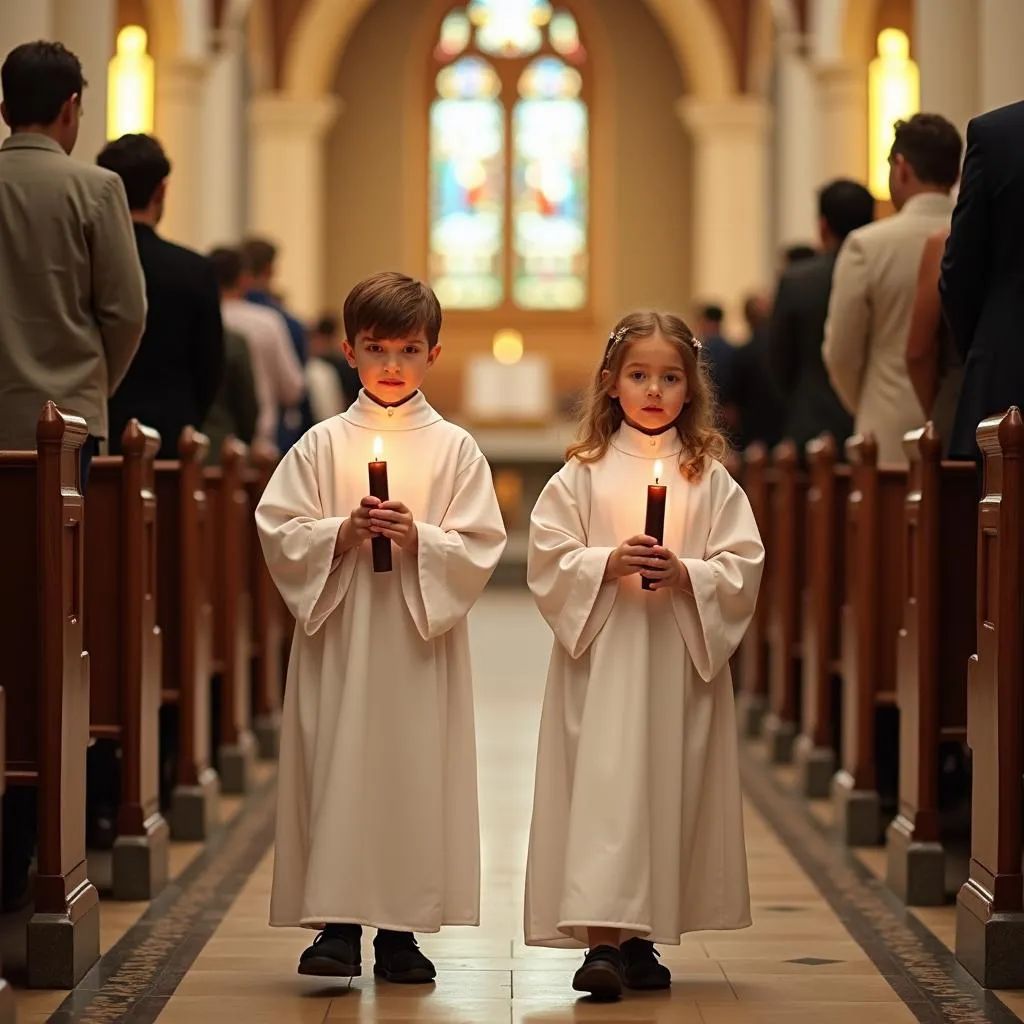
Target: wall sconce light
[(894, 93), (130, 85), (507, 347)]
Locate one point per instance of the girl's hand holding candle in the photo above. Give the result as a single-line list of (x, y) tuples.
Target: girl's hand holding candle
[(657, 495), (630, 557)]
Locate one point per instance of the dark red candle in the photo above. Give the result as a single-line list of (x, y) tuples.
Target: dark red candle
[(380, 546), (657, 493)]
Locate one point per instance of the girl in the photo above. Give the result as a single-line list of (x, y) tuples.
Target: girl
[(637, 831)]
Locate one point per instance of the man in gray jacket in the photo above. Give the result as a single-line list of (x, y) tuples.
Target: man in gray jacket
[(72, 296)]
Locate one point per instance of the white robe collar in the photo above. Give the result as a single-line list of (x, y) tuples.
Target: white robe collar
[(411, 415), (646, 446)]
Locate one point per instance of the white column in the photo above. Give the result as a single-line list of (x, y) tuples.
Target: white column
[(88, 31), (843, 99), (946, 51), (730, 196), (1001, 32), (179, 103), (797, 165), (287, 192), (22, 22), (221, 213)]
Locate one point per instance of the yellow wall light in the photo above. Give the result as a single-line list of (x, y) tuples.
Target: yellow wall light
[(130, 78), (894, 93), (507, 347)]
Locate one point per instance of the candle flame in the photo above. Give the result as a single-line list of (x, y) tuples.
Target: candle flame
[(378, 449), (657, 472)]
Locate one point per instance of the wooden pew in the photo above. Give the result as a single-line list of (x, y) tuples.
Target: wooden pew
[(870, 620), (990, 909), (229, 562), (815, 749), (185, 617), (752, 696), (787, 565), (124, 647), (8, 1014), (46, 678), (267, 618), (933, 648)]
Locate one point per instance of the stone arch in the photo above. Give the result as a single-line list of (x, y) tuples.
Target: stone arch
[(692, 27), (165, 28), (859, 29)]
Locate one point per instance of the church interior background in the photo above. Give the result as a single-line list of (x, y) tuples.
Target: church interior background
[(547, 165)]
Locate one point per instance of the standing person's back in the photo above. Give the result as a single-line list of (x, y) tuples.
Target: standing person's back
[(176, 374), (72, 304), (875, 284), (798, 320), (982, 280)]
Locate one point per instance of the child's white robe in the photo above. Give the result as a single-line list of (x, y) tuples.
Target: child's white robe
[(637, 817), (377, 818)]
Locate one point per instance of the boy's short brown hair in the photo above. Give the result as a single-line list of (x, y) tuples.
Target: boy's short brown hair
[(392, 305)]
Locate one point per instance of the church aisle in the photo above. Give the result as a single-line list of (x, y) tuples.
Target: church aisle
[(798, 963)]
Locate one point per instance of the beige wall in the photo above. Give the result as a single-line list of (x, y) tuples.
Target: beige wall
[(640, 182)]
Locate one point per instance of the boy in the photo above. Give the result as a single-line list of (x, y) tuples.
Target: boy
[(377, 815)]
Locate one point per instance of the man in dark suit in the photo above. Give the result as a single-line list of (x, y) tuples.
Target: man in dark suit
[(798, 321), (982, 278), (176, 374)]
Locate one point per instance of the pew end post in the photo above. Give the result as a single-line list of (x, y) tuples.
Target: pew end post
[(195, 798), (854, 789), (990, 905), (814, 753), (781, 724), (63, 934), (752, 695)]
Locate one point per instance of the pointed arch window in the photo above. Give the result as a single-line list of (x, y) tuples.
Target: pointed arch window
[(509, 159)]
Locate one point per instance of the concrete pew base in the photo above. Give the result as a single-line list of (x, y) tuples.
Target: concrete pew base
[(750, 712), (915, 871), (779, 737), (815, 767), (858, 812), (237, 763), (195, 810), (63, 948), (268, 736), (141, 864), (989, 945)]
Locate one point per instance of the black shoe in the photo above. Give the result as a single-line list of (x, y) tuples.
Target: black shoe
[(601, 974), (398, 959), (640, 967), (335, 953)]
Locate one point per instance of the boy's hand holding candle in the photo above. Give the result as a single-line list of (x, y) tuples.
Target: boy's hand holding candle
[(393, 520), (356, 528)]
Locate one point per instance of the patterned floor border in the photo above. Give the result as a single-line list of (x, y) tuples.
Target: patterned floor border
[(134, 980), (920, 969)]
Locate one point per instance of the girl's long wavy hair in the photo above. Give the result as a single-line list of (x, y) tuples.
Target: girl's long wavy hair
[(601, 415)]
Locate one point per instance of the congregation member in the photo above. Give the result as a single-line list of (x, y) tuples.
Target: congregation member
[(378, 706), (799, 311), (72, 296), (259, 261), (175, 376), (875, 283), (276, 369), (758, 402), (982, 280), (235, 409), (637, 834), (332, 383)]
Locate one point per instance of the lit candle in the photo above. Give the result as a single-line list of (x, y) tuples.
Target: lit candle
[(655, 526), (380, 546)]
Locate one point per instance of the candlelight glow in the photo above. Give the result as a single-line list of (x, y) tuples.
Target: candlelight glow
[(657, 472), (507, 347), (378, 450), (130, 76), (894, 93)]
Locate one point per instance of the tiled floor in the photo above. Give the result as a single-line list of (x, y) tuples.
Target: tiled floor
[(798, 964)]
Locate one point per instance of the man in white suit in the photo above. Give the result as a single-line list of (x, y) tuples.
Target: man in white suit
[(875, 281)]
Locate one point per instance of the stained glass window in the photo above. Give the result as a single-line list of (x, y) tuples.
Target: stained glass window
[(534, 185)]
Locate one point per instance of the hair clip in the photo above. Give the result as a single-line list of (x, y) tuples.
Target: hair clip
[(614, 337), (697, 343)]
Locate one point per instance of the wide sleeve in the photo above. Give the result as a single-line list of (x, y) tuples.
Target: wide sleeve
[(566, 576), (298, 543), (715, 614), (455, 558), (847, 330)]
